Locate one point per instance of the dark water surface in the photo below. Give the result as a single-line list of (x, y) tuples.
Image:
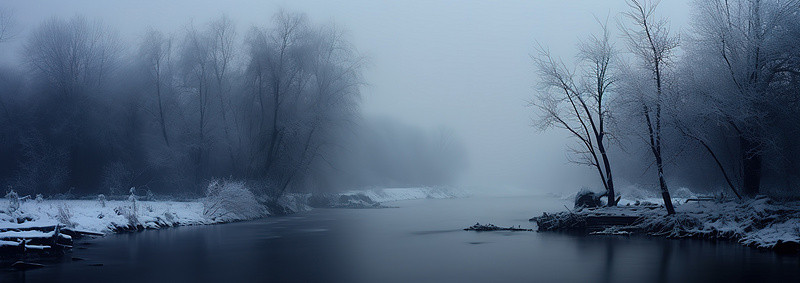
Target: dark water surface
[(421, 241)]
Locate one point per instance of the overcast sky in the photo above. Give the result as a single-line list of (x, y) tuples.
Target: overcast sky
[(459, 64)]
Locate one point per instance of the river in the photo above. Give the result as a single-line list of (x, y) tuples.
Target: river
[(419, 241)]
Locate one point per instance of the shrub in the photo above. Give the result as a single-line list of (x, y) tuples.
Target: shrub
[(13, 201), (132, 200), (116, 177), (129, 214), (129, 211), (149, 196), (64, 216), (587, 199), (230, 201), (101, 198)]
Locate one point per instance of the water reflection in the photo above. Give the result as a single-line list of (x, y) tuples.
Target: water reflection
[(666, 255), (419, 242), (645, 259), (609, 262)]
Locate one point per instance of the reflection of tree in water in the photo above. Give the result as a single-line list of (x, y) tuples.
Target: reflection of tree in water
[(646, 259), (608, 269), (663, 266), (611, 244)]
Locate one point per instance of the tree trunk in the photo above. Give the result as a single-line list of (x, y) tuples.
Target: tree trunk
[(751, 166), (719, 165), (612, 196), (655, 147), (161, 119), (664, 192), (663, 184), (273, 140)]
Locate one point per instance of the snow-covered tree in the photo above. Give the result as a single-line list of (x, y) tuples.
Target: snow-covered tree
[(649, 39), (745, 70)]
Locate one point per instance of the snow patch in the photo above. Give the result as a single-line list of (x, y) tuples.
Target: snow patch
[(399, 194), (759, 222), (226, 202)]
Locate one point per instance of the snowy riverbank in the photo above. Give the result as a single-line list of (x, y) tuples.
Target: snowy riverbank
[(759, 222), (109, 216)]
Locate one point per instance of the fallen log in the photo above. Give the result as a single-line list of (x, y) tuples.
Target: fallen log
[(492, 227)]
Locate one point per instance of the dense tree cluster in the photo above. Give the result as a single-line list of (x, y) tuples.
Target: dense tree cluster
[(715, 107), (276, 106)]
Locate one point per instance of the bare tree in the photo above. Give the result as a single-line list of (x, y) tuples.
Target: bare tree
[(195, 61), (73, 61), (179, 111), (73, 55), (698, 132), (7, 25), (222, 39), (156, 50), (650, 40), (304, 80), (275, 68), (580, 108), (335, 68)]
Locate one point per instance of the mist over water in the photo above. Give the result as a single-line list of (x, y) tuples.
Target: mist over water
[(353, 141)]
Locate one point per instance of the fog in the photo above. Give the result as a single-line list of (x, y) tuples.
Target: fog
[(458, 65), (361, 137)]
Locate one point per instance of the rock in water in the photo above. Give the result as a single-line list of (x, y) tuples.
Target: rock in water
[(586, 198)]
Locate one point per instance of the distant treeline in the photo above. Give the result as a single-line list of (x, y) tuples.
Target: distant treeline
[(277, 106)]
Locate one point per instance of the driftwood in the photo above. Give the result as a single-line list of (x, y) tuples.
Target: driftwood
[(701, 199), (80, 233), (21, 265), (38, 239), (612, 230), (492, 227), (581, 222)]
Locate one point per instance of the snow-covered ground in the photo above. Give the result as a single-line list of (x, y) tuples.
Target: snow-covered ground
[(758, 222), (227, 202), (398, 194), (633, 194), (94, 216), (376, 198)]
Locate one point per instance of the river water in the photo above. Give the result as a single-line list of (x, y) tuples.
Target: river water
[(419, 241)]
